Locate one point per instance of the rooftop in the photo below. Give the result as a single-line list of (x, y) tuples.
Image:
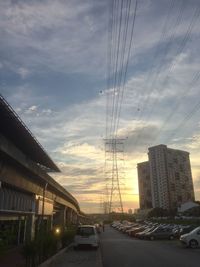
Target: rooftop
[(13, 128)]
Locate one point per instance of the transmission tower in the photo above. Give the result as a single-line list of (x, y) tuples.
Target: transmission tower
[(114, 163)]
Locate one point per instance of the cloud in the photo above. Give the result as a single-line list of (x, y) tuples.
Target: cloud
[(82, 150), (67, 40), (42, 30), (71, 37), (23, 72), (75, 171), (31, 109), (47, 111), (138, 136)]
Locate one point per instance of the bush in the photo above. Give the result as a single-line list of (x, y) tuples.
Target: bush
[(68, 237), (195, 211), (41, 248), (30, 253), (157, 212)]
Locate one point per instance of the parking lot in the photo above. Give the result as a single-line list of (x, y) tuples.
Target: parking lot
[(120, 250), (188, 234)]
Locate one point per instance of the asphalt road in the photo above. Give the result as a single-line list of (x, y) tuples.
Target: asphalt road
[(119, 250)]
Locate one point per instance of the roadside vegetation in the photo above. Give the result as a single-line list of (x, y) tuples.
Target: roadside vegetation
[(46, 244)]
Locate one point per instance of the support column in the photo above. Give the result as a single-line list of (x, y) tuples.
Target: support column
[(19, 230), (61, 218), (30, 227)]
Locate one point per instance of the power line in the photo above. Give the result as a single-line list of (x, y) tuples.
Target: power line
[(127, 63), (118, 60), (188, 116), (179, 51)]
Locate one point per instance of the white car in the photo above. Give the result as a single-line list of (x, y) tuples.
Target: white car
[(86, 235), (191, 239)]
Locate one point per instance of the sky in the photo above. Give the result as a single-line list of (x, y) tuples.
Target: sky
[(53, 72)]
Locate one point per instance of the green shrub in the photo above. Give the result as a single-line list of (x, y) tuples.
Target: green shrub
[(41, 248), (68, 237)]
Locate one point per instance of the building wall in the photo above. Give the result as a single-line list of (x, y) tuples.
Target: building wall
[(159, 176), (144, 185), (180, 177), (15, 200), (170, 177)]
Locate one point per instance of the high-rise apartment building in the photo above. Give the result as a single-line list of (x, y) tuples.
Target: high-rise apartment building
[(144, 182), (170, 177)]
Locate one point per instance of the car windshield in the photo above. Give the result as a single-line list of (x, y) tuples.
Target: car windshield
[(85, 231), (195, 230)]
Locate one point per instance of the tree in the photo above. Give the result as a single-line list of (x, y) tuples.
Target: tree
[(157, 212), (195, 211)]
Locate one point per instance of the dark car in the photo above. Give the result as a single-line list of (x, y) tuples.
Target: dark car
[(186, 229), (160, 233), (142, 234), (133, 231)]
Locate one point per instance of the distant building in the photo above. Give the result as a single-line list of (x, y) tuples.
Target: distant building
[(170, 178), (144, 181)]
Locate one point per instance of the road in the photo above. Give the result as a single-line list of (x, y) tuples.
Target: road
[(119, 250)]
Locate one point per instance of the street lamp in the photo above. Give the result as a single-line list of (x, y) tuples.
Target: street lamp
[(57, 231)]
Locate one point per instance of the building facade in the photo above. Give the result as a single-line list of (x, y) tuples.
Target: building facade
[(30, 199), (144, 182), (170, 177)]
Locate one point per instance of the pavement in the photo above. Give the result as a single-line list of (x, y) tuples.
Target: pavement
[(12, 258), (83, 257)]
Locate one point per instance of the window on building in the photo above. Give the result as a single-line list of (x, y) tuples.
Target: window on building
[(186, 178), (175, 160), (147, 177), (181, 167), (177, 175), (179, 198), (172, 187), (148, 193)]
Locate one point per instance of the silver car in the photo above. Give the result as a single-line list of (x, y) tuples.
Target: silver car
[(191, 239), (86, 235)]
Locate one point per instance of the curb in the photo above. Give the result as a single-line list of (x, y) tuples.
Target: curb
[(50, 260)]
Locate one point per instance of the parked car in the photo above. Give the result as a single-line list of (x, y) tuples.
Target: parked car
[(187, 229), (131, 226), (191, 239), (86, 235), (160, 233), (142, 234), (127, 227), (133, 231)]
